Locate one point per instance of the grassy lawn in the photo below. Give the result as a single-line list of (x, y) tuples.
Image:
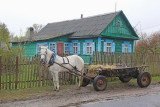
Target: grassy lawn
[(21, 94)]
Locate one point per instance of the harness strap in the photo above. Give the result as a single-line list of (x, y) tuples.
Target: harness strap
[(52, 61), (64, 60)]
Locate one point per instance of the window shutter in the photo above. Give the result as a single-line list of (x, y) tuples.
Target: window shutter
[(113, 47), (104, 47), (130, 48), (122, 48), (79, 48), (84, 48), (71, 48), (93, 47)]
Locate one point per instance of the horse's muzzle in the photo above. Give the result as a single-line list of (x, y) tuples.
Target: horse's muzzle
[(42, 61)]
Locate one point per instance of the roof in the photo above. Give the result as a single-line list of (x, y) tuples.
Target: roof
[(79, 28)]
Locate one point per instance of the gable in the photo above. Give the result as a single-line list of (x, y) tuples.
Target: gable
[(120, 27)]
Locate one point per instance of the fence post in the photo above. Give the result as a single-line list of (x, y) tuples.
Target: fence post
[(0, 71), (16, 82)]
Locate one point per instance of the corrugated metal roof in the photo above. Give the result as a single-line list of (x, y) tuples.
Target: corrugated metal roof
[(79, 27)]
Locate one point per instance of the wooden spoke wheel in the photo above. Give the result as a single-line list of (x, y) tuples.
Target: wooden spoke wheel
[(100, 83), (144, 79), (125, 79)]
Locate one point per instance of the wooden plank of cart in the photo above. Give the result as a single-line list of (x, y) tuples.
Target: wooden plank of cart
[(125, 74)]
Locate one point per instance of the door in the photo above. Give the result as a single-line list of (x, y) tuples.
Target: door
[(60, 48)]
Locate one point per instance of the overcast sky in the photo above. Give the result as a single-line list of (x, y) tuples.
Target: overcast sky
[(20, 14)]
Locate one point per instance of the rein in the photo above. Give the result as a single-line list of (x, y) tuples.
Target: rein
[(72, 72)]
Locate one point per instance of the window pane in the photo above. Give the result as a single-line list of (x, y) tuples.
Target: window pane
[(89, 48), (53, 47), (108, 47), (66, 48), (75, 48), (126, 50)]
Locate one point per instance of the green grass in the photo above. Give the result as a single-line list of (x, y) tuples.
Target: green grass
[(20, 94)]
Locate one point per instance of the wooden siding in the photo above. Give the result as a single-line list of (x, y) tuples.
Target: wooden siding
[(120, 28), (118, 44), (30, 48)]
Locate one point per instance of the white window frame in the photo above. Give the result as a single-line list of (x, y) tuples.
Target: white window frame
[(108, 47), (89, 47), (126, 48), (75, 47), (54, 49), (66, 48)]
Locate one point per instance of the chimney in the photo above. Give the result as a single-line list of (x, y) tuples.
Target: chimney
[(81, 16), (31, 33)]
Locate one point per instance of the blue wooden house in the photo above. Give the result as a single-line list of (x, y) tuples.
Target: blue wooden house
[(109, 32)]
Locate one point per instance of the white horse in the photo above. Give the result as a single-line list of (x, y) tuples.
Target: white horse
[(73, 62)]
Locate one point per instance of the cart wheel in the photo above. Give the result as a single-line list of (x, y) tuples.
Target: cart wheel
[(144, 79), (85, 82), (125, 79), (100, 83)]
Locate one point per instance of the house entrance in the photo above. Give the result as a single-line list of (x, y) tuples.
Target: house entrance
[(60, 48)]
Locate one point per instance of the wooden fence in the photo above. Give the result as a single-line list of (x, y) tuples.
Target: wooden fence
[(129, 59), (26, 72)]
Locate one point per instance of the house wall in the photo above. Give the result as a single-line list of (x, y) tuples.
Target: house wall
[(87, 58), (118, 44), (31, 48)]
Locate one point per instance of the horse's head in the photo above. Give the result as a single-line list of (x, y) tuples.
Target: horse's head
[(43, 53)]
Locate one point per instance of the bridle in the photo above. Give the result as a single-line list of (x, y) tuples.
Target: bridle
[(44, 60)]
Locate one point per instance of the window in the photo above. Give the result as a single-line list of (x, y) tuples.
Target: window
[(118, 23), (89, 48), (66, 48), (52, 47), (126, 48), (108, 47), (39, 47), (75, 48)]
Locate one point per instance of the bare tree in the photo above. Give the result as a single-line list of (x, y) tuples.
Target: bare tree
[(149, 43)]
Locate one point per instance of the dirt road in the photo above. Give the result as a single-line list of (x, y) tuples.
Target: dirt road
[(70, 96)]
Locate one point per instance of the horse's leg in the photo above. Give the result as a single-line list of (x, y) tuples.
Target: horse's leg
[(57, 81), (54, 81), (79, 82), (80, 78)]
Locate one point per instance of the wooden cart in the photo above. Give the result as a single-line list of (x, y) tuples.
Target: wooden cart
[(125, 74)]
